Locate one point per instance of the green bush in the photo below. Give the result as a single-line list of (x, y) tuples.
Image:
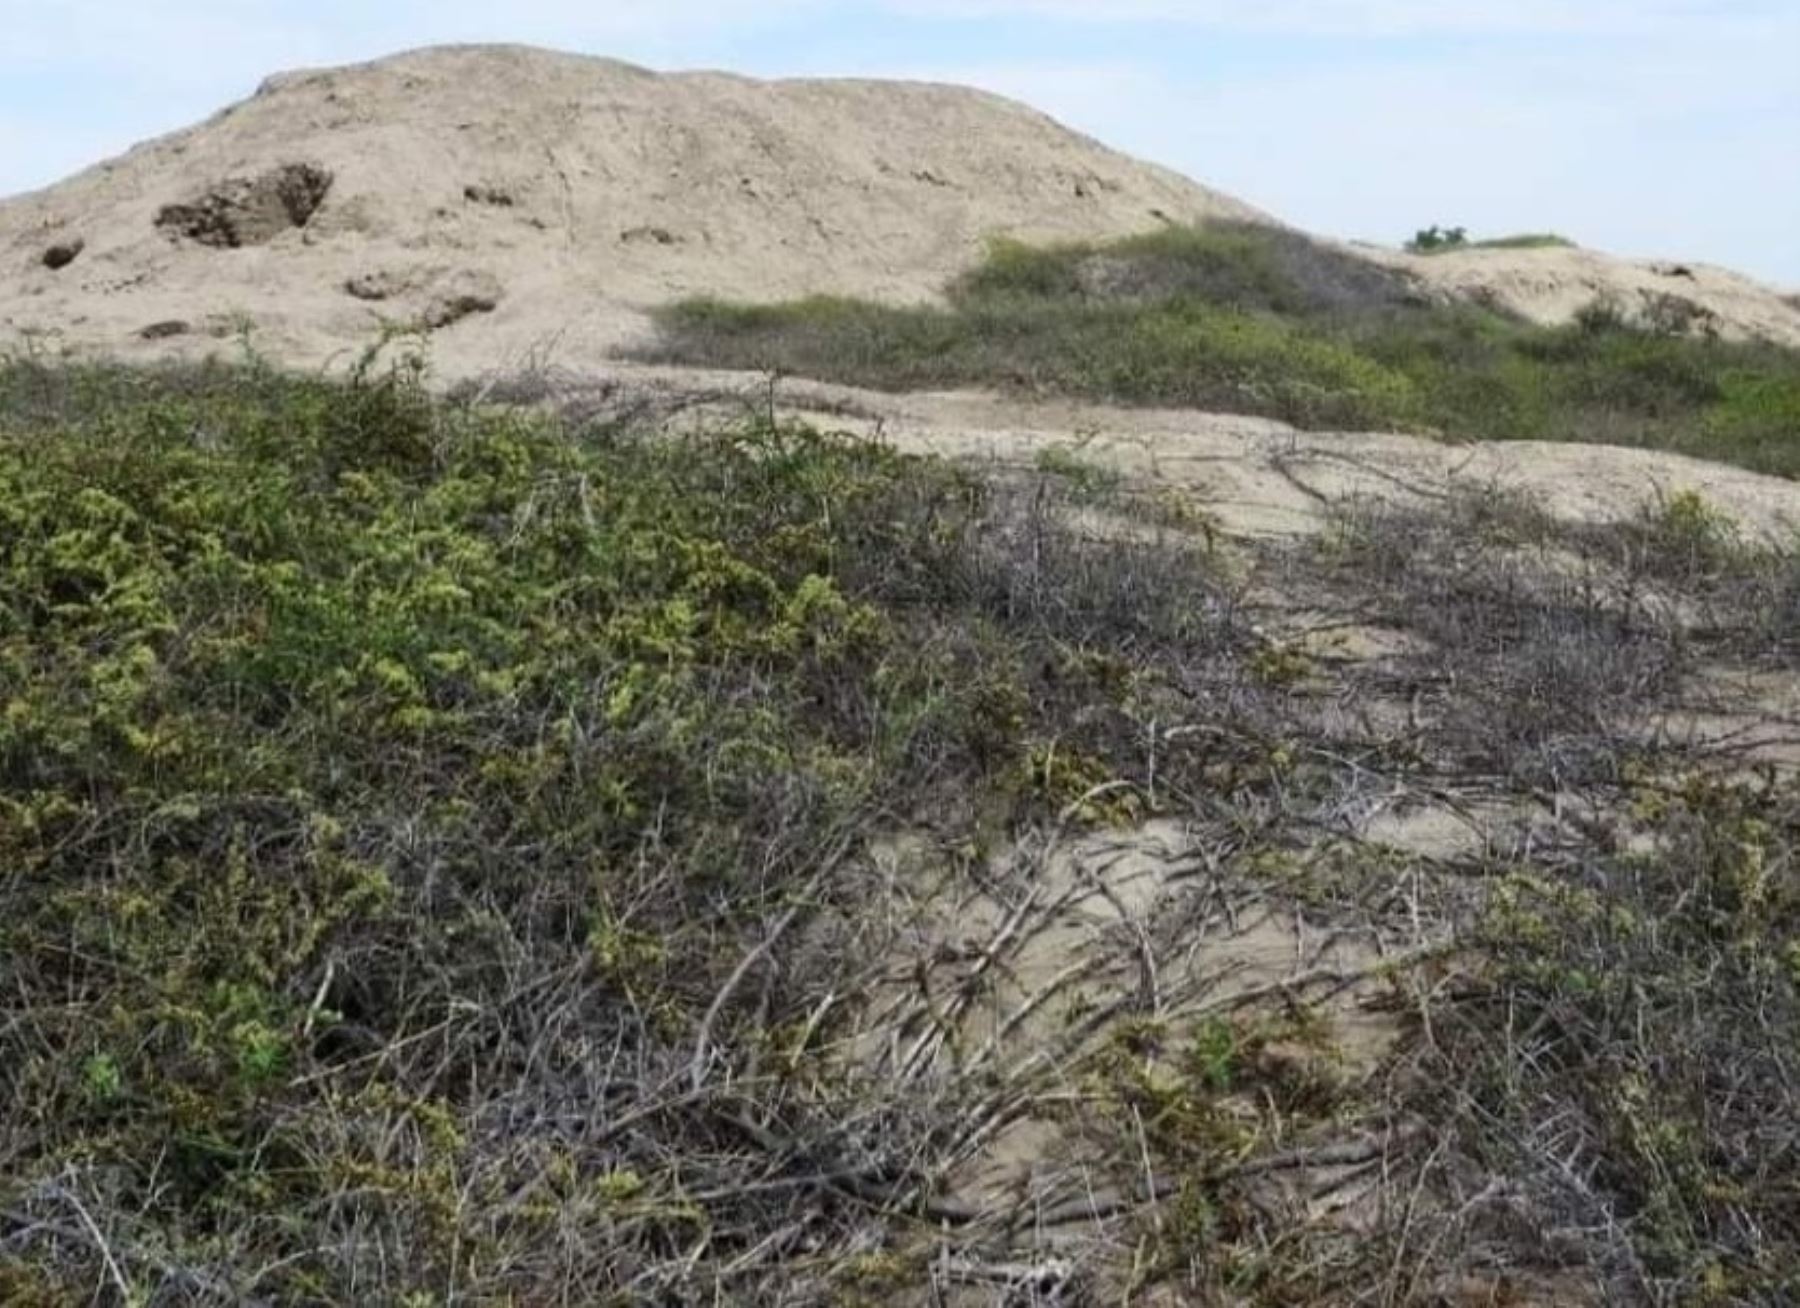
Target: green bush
[(1435, 239)]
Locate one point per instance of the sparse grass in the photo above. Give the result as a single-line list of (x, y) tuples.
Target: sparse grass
[(1558, 638), (1242, 319), (1614, 1075), (1610, 1079)]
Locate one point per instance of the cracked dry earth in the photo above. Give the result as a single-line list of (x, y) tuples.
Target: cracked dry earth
[(1059, 997)]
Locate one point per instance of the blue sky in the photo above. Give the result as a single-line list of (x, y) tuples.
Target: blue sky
[(1642, 126)]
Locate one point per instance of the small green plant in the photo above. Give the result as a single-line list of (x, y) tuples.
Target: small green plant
[(1215, 1054), (1090, 481), (1281, 665), (1687, 531), (103, 1077), (262, 1053), (618, 1187)]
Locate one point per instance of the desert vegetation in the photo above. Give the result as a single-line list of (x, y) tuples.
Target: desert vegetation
[(1255, 320), (1441, 240), (455, 853)]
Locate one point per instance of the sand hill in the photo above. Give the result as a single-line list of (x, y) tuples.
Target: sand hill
[(527, 204), (550, 197)]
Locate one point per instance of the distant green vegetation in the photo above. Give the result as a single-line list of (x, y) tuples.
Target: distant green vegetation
[(1250, 320), (1525, 241), (1441, 240), (1435, 239)]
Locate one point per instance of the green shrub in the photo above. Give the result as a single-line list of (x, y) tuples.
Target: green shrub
[(1015, 268), (375, 773), (1435, 239)]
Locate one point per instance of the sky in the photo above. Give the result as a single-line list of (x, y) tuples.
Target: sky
[(1645, 127)]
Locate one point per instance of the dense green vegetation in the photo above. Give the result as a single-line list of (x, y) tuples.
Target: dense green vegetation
[(1248, 320), (374, 771), (437, 846)]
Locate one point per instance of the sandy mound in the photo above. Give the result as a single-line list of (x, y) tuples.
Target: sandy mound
[(1553, 285), (540, 201)]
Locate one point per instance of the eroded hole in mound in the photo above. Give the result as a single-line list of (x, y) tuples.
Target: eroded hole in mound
[(249, 210), (382, 284), (63, 253), (462, 294), (653, 235)]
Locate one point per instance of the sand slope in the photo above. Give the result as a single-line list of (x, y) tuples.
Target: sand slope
[(569, 192), (1552, 285)]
